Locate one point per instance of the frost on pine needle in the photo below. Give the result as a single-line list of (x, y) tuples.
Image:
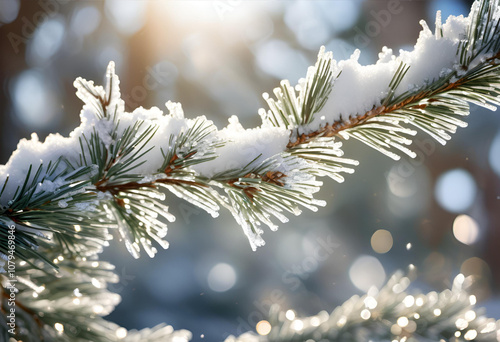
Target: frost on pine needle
[(159, 333), (103, 101), (260, 191), (324, 158)]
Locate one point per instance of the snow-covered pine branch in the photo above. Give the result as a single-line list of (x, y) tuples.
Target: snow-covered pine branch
[(122, 159), (66, 195)]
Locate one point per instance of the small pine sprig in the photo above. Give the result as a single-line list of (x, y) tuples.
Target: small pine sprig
[(196, 145)]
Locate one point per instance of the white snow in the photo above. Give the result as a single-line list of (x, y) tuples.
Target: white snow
[(359, 88), (33, 152), (244, 145)]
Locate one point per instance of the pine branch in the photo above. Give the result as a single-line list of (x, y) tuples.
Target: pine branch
[(323, 156), (159, 333), (390, 314), (70, 304)]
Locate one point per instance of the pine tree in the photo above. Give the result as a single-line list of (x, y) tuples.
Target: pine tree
[(61, 200)]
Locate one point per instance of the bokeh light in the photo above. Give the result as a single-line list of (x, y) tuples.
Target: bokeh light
[(85, 20), (127, 16), (470, 335), (304, 19), (475, 266), (340, 15), (46, 41), (365, 314), (9, 10), (455, 190), (403, 321), (402, 181), (465, 229), (494, 154), (314, 22), (382, 241), (290, 315), (367, 271), (297, 325), (408, 183), (34, 101), (221, 277), (263, 328), (121, 333)]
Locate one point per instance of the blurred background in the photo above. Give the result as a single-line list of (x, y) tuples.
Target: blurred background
[(439, 212)]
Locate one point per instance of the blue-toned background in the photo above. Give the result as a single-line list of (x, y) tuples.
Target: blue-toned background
[(439, 212)]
